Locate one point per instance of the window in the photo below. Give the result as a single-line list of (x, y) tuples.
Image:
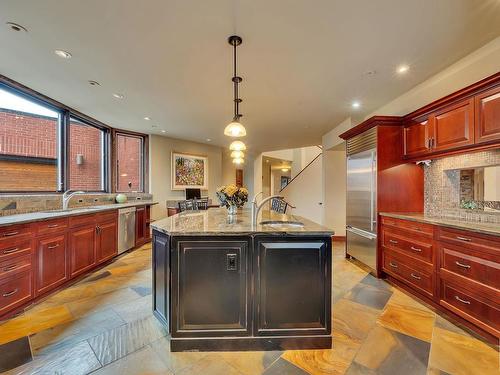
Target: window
[(129, 163), (86, 161), (28, 144)]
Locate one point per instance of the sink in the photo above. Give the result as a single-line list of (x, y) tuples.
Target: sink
[(282, 224)]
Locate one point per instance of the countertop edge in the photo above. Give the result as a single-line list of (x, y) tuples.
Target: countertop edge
[(16, 219), (448, 223), (244, 233)]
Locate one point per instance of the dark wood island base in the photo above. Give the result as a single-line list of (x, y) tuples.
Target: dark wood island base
[(264, 289)]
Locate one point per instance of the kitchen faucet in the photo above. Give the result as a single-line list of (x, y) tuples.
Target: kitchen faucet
[(257, 207), (67, 196)]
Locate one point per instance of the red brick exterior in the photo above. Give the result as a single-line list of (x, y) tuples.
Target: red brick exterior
[(129, 163)]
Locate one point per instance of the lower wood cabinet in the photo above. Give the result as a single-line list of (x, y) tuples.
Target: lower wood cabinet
[(107, 241), (291, 285), (52, 260), (15, 291), (82, 249), (212, 292)]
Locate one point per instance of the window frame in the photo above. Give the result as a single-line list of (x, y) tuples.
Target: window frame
[(145, 156), (109, 178)]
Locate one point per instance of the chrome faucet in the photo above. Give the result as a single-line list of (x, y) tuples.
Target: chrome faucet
[(257, 207), (67, 196)]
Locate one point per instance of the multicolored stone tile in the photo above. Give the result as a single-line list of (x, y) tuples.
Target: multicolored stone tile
[(15, 353), (369, 296), (352, 320), (282, 367)]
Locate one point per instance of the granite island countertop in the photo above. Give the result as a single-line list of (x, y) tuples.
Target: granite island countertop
[(484, 228), (215, 221), (45, 215)]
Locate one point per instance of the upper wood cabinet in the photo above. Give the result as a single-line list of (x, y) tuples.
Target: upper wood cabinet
[(453, 126), (488, 116), (416, 138)]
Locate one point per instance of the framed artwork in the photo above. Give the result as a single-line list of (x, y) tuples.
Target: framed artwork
[(189, 171)]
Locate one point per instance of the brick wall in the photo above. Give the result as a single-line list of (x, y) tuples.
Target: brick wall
[(129, 163)]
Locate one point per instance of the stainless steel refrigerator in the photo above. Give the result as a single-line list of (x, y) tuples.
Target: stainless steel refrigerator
[(361, 229)]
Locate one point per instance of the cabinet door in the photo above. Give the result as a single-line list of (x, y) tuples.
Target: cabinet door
[(210, 288), (147, 224), (82, 249), (140, 225), (453, 126), (107, 241), (488, 116), (51, 263), (416, 138), (293, 279)]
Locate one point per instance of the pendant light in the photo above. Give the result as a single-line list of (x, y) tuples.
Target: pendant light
[(235, 129), (237, 146), (238, 161), (237, 154)]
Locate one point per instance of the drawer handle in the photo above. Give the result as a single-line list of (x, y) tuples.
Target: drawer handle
[(417, 228), (10, 234), (416, 249), (415, 276), (393, 241), (10, 268), (462, 300), (466, 266), (52, 225), (52, 246), (463, 239), (394, 265), (8, 294), (9, 251)]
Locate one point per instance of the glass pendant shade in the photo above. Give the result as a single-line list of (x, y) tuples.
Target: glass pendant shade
[(238, 161), (237, 154), (235, 129), (237, 146)]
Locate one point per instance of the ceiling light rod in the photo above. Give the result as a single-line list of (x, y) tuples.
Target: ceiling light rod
[(235, 41)]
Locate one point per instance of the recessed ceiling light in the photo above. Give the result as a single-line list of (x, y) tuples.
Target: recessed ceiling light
[(370, 73), (63, 54), (163, 131), (16, 27), (209, 140), (94, 83), (402, 69), (355, 104), (118, 96), (147, 118)]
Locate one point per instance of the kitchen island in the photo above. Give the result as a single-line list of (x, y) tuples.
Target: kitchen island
[(222, 283)]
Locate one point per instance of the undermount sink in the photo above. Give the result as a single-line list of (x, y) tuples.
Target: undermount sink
[(278, 223)]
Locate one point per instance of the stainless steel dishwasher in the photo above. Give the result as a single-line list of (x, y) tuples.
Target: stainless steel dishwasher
[(126, 229)]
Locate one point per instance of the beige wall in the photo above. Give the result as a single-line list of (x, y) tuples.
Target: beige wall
[(160, 150), (229, 172), (334, 190)]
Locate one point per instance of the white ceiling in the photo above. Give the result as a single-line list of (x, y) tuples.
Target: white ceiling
[(303, 62)]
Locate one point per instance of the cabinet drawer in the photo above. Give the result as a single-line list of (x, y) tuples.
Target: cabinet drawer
[(474, 267), (107, 216), (14, 249), (14, 232), (474, 308), (402, 270), (415, 248), (76, 221), (470, 240), (15, 265), (52, 226), (15, 291), (413, 227)]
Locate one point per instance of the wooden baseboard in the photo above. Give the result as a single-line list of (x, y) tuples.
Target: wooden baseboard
[(338, 238)]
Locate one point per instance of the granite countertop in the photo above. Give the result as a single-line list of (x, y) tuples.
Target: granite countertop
[(485, 228), (44, 215), (215, 221)]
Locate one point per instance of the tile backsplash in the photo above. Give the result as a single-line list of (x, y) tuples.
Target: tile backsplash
[(24, 203), (442, 186)]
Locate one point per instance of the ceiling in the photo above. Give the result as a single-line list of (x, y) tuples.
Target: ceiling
[(302, 62)]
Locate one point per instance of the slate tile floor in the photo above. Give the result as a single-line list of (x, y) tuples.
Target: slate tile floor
[(104, 325)]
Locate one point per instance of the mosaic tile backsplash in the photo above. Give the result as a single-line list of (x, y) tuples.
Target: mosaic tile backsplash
[(24, 203), (442, 187)]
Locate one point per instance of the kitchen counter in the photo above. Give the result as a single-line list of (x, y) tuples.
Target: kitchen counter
[(44, 215), (221, 284), (484, 228), (215, 221)]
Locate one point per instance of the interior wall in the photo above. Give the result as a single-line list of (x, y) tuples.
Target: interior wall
[(160, 150), (229, 172), (334, 190)]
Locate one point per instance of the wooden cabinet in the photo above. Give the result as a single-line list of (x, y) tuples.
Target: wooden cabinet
[(416, 138), (82, 246), (488, 116), (52, 261), (107, 240), (292, 282), (142, 225), (15, 291), (211, 295), (452, 127)]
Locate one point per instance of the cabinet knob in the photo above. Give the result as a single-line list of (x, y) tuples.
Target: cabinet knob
[(394, 265), (417, 249), (466, 266), (462, 300), (463, 239), (9, 251), (393, 241), (8, 294), (415, 276)]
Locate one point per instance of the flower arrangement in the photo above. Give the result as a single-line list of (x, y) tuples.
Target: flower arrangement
[(232, 197)]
